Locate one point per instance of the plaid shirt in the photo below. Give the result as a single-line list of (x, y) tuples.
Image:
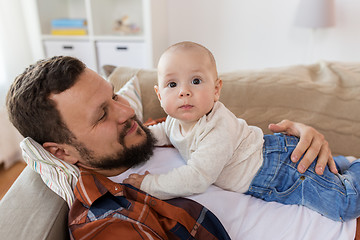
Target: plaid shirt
[(107, 210)]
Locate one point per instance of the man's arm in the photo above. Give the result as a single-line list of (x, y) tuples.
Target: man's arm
[(312, 143)]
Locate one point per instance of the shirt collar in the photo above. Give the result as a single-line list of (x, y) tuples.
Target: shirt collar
[(92, 185)]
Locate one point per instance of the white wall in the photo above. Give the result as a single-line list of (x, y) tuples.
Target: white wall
[(247, 34), (15, 50), (243, 34)]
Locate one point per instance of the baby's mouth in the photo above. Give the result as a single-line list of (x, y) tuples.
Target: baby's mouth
[(186, 106)]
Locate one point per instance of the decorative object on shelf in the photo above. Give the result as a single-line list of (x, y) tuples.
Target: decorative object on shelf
[(125, 27), (67, 26)]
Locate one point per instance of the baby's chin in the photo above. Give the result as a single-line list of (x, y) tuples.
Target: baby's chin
[(187, 118)]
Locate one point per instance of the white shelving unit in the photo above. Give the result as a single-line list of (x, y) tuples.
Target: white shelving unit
[(103, 45)]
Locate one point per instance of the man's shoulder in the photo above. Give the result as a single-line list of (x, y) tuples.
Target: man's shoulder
[(121, 214)]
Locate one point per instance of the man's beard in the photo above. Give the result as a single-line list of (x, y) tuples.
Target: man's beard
[(127, 157)]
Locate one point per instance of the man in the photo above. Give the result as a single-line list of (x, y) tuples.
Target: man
[(76, 116)]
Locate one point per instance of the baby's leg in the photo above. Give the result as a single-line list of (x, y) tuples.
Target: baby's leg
[(343, 163), (336, 196)]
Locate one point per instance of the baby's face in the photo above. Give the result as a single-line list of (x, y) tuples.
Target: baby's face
[(188, 84)]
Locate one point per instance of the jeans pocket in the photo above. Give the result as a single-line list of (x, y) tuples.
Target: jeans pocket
[(349, 187), (286, 188), (290, 194)]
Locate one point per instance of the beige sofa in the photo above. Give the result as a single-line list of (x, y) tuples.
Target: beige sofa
[(324, 95)]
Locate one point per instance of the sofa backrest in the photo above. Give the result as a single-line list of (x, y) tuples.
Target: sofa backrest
[(325, 95)]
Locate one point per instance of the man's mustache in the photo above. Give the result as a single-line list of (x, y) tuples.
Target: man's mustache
[(127, 126)]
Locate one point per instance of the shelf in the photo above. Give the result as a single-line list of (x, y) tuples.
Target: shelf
[(53, 9), (94, 38), (143, 32), (59, 37), (105, 14), (120, 38)]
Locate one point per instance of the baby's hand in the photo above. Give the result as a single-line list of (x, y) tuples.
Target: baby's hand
[(135, 179)]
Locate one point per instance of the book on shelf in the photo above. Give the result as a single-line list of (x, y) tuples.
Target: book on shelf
[(69, 31), (68, 26), (68, 23)]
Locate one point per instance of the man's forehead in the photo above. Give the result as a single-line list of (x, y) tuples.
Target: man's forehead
[(87, 95), (86, 81)]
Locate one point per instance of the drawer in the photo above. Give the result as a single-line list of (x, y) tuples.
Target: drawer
[(127, 54), (80, 49)]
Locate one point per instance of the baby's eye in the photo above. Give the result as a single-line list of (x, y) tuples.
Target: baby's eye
[(196, 81), (172, 84)]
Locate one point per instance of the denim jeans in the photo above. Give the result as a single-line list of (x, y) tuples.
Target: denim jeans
[(335, 196)]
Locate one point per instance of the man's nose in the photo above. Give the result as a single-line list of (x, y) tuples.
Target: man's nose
[(122, 112)]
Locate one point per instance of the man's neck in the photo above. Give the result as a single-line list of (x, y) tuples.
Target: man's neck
[(108, 173)]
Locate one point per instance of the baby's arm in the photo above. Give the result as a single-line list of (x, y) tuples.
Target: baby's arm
[(202, 170), (180, 182), (135, 179), (158, 131)]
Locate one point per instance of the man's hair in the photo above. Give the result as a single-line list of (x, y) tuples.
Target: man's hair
[(31, 110)]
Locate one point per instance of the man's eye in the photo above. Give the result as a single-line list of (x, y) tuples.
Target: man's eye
[(102, 116), (171, 84), (115, 97), (196, 81)]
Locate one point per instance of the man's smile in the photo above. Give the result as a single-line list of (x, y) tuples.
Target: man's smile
[(132, 128)]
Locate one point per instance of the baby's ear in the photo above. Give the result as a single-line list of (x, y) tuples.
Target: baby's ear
[(218, 86), (156, 88)]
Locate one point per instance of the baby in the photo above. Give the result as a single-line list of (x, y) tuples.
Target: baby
[(221, 149)]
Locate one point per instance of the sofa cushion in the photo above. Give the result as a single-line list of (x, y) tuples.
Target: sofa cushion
[(147, 80), (131, 92), (324, 95)]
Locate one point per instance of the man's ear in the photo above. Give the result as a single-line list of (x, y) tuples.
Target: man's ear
[(218, 86), (156, 88), (61, 151)]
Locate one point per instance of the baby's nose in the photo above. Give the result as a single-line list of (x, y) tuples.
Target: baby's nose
[(184, 92)]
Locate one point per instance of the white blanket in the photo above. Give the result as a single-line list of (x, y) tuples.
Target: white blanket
[(246, 217)]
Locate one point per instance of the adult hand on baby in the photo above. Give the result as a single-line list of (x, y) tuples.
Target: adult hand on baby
[(312, 144), (135, 179)]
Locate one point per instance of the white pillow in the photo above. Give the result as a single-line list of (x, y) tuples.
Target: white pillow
[(131, 92), (58, 175)]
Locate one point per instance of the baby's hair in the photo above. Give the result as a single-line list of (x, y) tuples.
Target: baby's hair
[(190, 45)]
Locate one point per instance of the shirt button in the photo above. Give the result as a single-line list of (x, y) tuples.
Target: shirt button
[(116, 188), (152, 203)]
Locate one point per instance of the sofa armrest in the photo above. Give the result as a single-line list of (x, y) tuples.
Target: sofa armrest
[(30, 210)]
